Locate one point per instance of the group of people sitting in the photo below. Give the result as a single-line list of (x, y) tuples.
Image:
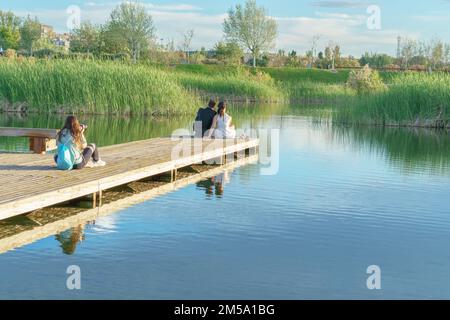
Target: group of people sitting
[(214, 124), (75, 153)]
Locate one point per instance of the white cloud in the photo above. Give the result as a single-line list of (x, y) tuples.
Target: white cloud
[(431, 18), (349, 31), (295, 33), (151, 6)]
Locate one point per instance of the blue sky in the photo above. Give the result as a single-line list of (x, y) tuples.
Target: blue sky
[(343, 22)]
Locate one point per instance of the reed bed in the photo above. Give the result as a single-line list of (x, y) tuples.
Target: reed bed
[(411, 99), (91, 87)]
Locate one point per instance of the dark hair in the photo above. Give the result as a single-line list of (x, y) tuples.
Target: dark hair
[(211, 103), (222, 107), (74, 127)]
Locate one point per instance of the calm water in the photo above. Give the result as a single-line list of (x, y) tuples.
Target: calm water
[(343, 199)]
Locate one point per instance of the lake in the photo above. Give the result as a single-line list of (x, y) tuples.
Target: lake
[(343, 199)]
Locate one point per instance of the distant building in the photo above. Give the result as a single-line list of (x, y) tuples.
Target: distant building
[(62, 40), (47, 31)]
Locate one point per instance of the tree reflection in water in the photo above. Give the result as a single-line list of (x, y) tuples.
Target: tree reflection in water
[(70, 238)]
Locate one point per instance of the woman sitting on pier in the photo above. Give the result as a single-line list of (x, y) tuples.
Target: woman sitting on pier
[(222, 127), (72, 139)]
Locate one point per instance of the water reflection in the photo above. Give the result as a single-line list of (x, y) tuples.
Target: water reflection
[(68, 222), (70, 238), (411, 150), (215, 185), (407, 149), (109, 130)]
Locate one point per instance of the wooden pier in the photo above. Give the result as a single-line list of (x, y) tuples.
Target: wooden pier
[(18, 232), (30, 182)]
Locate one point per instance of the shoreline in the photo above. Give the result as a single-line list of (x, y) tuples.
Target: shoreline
[(17, 113)]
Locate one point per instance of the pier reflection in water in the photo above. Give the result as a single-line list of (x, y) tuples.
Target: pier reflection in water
[(68, 221)]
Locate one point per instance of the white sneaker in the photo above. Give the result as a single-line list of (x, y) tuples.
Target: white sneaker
[(90, 164), (99, 163)]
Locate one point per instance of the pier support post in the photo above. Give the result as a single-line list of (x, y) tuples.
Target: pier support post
[(97, 199), (100, 195), (173, 175)]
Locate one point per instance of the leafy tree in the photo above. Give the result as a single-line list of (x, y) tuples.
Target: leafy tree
[(130, 22), (447, 54), (328, 53), (111, 42), (9, 30), (376, 60), (250, 27), (336, 55), (437, 54), (229, 53), (408, 51), (292, 59), (365, 81), (30, 32), (86, 38)]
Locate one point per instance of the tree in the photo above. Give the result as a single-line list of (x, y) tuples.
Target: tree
[(86, 38), (187, 40), (377, 60), (328, 55), (447, 54), (437, 54), (9, 30), (30, 32), (250, 27), (336, 56), (111, 42), (130, 22), (408, 51), (292, 59), (229, 53), (312, 53)]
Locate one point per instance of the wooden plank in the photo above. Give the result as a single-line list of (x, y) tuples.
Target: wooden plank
[(36, 183)]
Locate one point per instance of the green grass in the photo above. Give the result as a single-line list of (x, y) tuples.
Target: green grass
[(117, 88), (92, 87), (99, 87), (310, 75), (304, 86), (419, 99)]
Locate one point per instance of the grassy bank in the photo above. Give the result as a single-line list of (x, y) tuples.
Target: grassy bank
[(90, 87), (231, 83), (293, 85), (95, 87), (98, 87), (118, 88), (411, 99)]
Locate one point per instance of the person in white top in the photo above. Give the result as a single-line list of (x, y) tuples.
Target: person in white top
[(222, 127)]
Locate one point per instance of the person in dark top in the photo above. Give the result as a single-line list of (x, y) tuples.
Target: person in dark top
[(204, 119)]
